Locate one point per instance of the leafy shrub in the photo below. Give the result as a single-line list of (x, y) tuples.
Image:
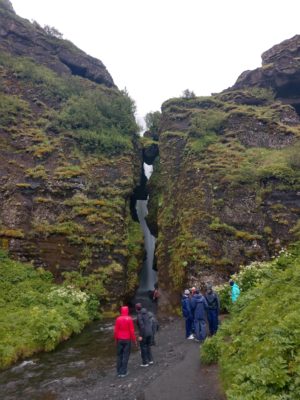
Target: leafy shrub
[(152, 120), (259, 346), (210, 353), (52, 31), (36, 314), (105, 141), (98, 111), (246, 278)]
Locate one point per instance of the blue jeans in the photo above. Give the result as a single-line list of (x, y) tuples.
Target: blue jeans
[(188, 327), (123, 352), (213, 321), (146, 354)]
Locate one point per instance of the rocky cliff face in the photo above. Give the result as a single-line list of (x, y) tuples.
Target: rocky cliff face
[(69, 161), (226, 188), (22, 38), (280, 71)]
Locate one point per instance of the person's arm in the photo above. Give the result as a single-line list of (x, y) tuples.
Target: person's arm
[(141, 326), (192, 302), (189, 309), (131, 329), (116, 329)]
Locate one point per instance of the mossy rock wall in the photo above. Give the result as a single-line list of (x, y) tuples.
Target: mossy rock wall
[(226, 189), (69, 161)]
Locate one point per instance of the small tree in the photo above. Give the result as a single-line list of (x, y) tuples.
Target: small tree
[(188, 94), (152, 120), (51, 31)]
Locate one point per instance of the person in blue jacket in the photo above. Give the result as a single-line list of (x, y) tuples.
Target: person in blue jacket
[(199, 309), (187, 314), (235, 291)]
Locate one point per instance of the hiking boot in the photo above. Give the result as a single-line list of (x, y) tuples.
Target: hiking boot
[(144, 365), (191, 337)]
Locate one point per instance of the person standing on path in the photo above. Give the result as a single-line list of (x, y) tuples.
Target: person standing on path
[(124, 335), (187, 314), (145, 334), (199, 307), (235, 291), (213, 311)]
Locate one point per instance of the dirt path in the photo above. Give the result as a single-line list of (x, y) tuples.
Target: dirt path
[(176, 374)]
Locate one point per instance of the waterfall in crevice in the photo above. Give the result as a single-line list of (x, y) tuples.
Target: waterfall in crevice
[(148, 276)]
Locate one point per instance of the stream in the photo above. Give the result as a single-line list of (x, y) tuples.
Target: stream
[(72, 361)]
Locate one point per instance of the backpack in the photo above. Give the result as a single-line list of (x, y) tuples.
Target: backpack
[(154, 322), (147, 324), (212, 301)]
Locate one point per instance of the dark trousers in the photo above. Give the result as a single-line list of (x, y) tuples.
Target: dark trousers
[(145, 345), (123, 352), (213, 321), (188, 327), (200, 329)]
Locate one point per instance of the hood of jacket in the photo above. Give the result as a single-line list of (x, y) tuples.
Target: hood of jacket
[(124, 311), (198, 296)]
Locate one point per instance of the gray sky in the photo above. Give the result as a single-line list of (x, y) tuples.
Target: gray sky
[(158, 48)]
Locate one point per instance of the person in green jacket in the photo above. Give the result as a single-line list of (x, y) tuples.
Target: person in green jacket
[(235, 291)]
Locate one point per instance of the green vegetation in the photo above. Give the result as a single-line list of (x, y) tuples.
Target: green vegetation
[(94, 283), (12, 110), (134, 245), (48, 83), (152, 120), (98, 111), (12, 233), (222, 158), (105, 142), (101, 120), (36, 314), (258, 346), (260, 163), (188, 94)]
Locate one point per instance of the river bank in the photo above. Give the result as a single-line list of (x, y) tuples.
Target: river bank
[(176, 373)]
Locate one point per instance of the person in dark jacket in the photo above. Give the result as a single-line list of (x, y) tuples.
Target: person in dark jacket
[(187, 314), (124, 335), (145, 334), (199, 308), (213, 311)]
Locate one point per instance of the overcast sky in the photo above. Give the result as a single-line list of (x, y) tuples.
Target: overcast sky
[(158, 48)]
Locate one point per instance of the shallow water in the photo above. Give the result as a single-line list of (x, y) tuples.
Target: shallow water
[(83, 357)]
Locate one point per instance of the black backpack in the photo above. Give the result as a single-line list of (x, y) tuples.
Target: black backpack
[(213, 302)]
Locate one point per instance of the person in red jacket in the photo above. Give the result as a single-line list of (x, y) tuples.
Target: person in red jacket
[(124, 335)]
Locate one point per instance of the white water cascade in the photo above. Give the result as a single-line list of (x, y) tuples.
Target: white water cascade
[(148, 276)]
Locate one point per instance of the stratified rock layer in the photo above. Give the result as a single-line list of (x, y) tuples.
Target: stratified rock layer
[(280, 71)]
